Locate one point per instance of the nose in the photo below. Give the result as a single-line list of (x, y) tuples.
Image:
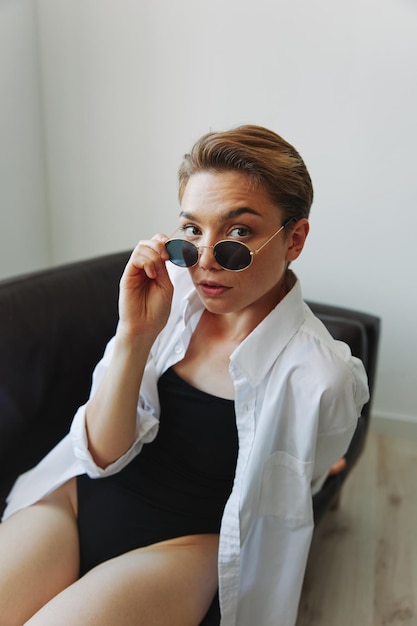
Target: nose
[(207, 259)]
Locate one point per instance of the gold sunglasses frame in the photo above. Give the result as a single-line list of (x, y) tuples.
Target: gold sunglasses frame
[(251, 252)]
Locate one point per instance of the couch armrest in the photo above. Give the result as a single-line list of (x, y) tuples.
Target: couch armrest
[(54, 326)]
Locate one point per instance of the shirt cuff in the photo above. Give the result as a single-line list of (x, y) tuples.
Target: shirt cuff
[(146, 430)]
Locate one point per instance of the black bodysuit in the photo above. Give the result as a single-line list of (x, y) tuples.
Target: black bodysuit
[(178, 484)]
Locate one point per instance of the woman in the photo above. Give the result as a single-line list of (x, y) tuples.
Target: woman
[(217, 410)]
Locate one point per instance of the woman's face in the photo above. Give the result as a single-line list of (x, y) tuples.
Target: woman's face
[(226, 205)]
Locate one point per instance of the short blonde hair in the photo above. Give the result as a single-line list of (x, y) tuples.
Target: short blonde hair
[(265, 157)]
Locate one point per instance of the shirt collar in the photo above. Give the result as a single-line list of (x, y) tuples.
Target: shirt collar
[(189, 302), (258, 352)]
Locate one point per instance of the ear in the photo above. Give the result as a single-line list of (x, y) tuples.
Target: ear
[(296, 239)]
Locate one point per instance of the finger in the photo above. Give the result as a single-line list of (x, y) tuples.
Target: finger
[(157, 243), (338, 467), (163, 251), (147, 257)]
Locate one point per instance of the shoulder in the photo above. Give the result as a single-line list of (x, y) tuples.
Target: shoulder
[(327, 370), (332, 355)]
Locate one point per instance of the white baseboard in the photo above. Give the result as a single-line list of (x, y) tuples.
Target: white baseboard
[(400, 426)]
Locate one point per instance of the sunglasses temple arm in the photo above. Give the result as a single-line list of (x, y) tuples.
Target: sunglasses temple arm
[(288, 222), (292, 219), (173, 233)]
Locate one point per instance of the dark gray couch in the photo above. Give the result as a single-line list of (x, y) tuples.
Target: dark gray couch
[(54, 325)]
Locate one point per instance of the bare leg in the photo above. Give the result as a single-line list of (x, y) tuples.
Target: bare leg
[(171, 583), (39, 555)]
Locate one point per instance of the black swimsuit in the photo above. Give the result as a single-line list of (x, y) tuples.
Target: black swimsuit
[(178, 485)]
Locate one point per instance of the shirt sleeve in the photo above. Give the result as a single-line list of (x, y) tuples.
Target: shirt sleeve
[(341, 406), (147, 419)]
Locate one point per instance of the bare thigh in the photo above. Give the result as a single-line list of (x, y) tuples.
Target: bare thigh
[(39, 555), (171, 583)]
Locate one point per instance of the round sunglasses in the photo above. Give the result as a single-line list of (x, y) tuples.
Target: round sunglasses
[(231, 255)]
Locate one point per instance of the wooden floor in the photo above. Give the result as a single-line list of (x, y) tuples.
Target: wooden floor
[(362, 569)]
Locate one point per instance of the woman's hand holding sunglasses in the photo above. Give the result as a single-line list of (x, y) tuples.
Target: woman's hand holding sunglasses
[(145, 290)]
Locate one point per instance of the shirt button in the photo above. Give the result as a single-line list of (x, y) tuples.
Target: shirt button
[(178, 349)]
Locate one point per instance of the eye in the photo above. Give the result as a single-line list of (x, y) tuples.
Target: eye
[(190, 231), (240, 232)]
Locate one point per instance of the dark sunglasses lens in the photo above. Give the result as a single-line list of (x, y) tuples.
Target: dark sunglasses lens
[(182, 253), (232, 255)]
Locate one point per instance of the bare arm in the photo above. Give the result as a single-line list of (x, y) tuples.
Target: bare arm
[(144, 306)]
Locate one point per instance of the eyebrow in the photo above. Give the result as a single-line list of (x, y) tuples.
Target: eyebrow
[(228, 215)]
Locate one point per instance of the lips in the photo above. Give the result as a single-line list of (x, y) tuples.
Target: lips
[(212, 289)]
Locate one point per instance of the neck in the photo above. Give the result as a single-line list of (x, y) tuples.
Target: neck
[(235, 327)]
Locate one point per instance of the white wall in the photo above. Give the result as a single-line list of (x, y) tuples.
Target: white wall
[(129, 84), (23, 225)]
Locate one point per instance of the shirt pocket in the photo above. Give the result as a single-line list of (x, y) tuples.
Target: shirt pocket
[(285, 489)]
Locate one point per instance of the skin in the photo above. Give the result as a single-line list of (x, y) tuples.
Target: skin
[(217, 206), (172, 582)]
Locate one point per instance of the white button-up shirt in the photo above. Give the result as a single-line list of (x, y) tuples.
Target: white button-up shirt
[(298, 394)]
